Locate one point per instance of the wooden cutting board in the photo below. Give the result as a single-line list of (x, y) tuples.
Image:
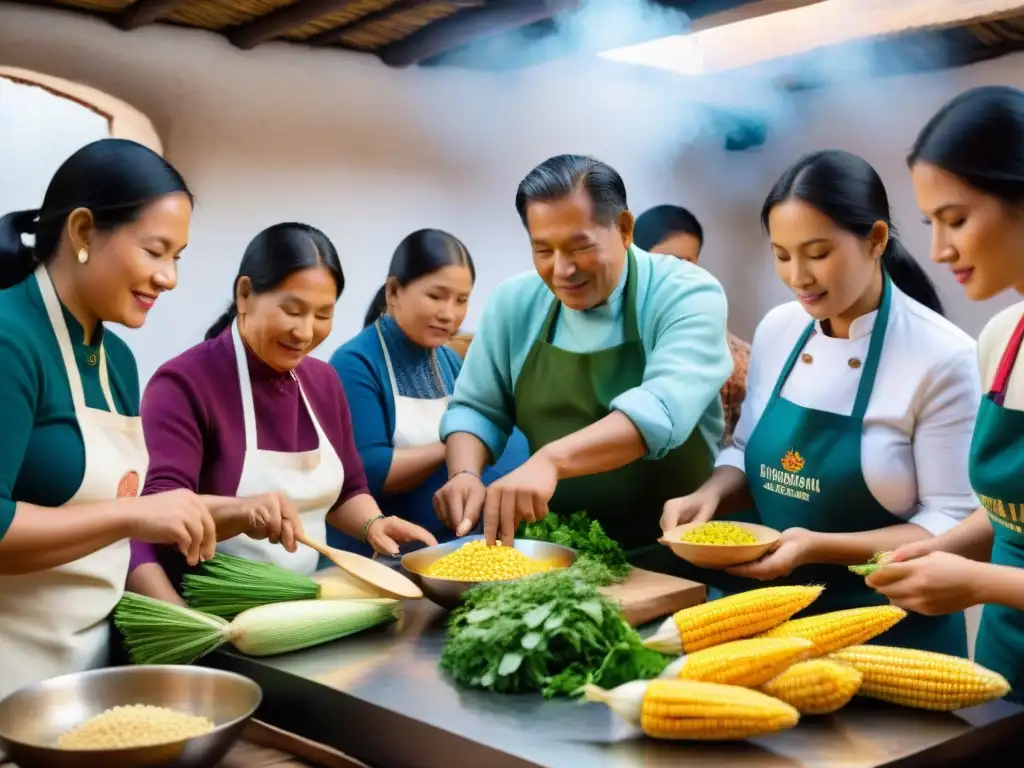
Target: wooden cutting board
[(646, 596)]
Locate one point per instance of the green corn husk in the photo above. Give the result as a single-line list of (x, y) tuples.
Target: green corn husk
[(870, 566), (229, 585), (156, 632)]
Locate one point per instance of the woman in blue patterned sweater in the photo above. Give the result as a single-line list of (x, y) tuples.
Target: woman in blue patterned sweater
[(399, 375)]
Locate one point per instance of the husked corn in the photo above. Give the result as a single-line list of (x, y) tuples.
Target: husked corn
[(696, 711), (136, 725), (730, 618), (816, 687), (838, 629), (476, 561), (719, 532), (922, 679), (746, 663)]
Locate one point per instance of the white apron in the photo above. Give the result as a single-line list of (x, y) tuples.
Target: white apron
[(56, 622), (310, 480), (417, 420)]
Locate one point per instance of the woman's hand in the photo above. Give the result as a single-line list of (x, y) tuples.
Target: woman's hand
[(794, 548), (933, 584), (386, 533), (458, 502), (272, 517), (698, 507), (179, 518), (520, 496)]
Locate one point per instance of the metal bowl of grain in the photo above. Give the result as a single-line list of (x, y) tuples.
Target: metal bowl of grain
[(33, 719), (448, 592)]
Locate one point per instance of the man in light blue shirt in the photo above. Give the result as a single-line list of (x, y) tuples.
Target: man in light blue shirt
[(607, 358)]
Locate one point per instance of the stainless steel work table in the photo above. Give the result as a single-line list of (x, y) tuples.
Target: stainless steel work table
[(381, 698)]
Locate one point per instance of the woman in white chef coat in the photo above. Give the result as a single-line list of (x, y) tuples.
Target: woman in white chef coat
[(249, 414), (968, 171), (399, 375), (113, 222), (854, 434)]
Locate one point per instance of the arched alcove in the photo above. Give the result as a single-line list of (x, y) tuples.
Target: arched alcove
[(44, 119)]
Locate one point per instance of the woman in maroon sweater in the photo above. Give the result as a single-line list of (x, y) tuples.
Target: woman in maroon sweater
[(246, 417)]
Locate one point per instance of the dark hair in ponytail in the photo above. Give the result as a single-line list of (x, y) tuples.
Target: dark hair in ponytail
[(849, 191), (274, 255), (115, 179), (420, 254), (979, 137)]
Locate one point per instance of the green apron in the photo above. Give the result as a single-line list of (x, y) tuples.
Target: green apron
[(997, 475), (804, 470), (559, 392)]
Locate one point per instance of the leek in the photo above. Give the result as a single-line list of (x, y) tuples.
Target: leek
[(156, 632), (229, 585)]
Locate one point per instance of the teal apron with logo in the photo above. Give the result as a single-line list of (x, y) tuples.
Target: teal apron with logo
[(804, 470), (559, 392), (997, 476)]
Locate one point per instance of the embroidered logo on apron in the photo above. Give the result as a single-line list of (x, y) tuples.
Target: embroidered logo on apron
[(1005, 513), (128, 487), (787, 481)]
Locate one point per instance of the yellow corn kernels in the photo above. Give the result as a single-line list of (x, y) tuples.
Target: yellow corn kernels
[(719, 532), (476, 561), (747, 663), (731, 618), (816, 687), (696, 711), (839, 629), (922, 679)]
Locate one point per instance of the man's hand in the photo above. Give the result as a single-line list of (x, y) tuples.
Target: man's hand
[(521, 496), (459, 501)]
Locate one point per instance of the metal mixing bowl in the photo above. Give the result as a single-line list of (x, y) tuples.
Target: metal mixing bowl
[(448, 593), (32, 718)]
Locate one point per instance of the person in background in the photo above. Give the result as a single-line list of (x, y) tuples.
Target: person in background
[(247, 416), (968, 172), (114, 220), (399, 375), (608, 359), (854, 434), (674, 231)]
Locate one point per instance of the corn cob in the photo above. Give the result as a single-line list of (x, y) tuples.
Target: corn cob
[(730, 618), (746, 663), (695, 711), (156, 632), (816, 687), (839, 629), (922, 679)]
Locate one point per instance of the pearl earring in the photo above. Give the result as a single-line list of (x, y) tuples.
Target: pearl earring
[(83, 256)]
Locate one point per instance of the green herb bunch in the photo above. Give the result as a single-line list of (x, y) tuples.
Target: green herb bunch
[(553, 632), (586, 536)]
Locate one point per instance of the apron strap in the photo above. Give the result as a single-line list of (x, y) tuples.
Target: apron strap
[(998, 392), (630, 326), (245, 387), (867, 378), (387, 359), (60, 329)]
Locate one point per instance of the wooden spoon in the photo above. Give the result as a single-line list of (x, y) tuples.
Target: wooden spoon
[(376, 575)]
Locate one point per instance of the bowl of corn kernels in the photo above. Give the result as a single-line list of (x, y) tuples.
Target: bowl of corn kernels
[(720, 543), (444, 572)]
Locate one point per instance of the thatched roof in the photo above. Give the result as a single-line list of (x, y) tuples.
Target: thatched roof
[(477, 33)]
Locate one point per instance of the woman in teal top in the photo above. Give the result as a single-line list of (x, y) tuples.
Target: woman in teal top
[(113, 222), (968, 173), (860, 402)]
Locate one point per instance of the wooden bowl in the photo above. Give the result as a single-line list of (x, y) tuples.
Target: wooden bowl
[(717, 556)]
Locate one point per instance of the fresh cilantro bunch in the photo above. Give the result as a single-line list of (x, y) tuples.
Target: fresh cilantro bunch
[(553, 632), (586, 536)]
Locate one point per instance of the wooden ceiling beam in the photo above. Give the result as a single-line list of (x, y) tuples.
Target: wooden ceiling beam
[(276, 23), (338, 34), (464, 26), (143, 12)]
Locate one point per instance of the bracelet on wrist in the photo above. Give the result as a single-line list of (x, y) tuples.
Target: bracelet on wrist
[(368, 523), (463, 472)]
